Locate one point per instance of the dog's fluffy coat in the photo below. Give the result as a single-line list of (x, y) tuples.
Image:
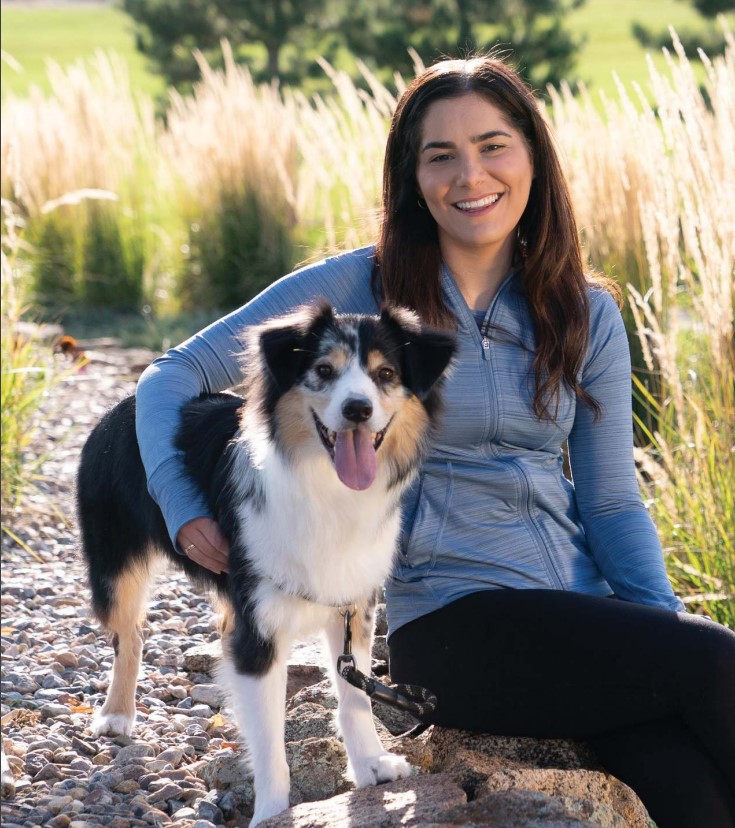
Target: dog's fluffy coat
[(305, 480)]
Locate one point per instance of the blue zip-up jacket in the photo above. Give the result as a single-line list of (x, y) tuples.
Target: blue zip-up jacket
[(491, 508)]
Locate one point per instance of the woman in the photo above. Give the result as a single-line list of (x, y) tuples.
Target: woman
[(529, 605)]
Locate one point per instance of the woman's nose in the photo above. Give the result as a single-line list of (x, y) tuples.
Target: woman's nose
[(470, 171)]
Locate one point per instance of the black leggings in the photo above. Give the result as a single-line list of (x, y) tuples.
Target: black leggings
[(652, 691)]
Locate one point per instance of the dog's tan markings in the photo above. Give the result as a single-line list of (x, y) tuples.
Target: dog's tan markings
[(294, 425), (226, 617), (227, 628), (124, 620), (337, 356), (375, 360), (403, 440)]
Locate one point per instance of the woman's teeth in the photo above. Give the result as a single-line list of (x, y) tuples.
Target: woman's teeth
[(479, 204)]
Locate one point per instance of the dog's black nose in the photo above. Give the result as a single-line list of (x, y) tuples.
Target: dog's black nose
[(357, 410)]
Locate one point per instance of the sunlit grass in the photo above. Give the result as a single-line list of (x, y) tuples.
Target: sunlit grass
[(34, 35), (28, 371)]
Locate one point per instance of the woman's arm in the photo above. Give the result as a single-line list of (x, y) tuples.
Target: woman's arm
[(210, 362), (619, 530)]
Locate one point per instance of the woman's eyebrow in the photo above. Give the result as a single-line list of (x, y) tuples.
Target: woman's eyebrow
[(475, 139)]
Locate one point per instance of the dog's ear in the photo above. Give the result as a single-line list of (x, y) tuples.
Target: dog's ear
[(425, 352), (285, 343)]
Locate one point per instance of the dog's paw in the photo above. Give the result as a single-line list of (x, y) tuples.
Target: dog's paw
[(386, 767), (112, 724), (268, 809)]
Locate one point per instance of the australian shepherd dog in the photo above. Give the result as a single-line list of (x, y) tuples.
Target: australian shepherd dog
[(305, 477)]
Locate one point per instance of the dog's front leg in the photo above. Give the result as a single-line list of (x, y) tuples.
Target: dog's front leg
[(369, 762), (254, 673)]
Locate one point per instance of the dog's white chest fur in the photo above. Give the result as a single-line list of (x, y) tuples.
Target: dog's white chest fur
[(315, 538)]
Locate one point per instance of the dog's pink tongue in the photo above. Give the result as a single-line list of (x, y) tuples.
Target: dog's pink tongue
[(354, 458)]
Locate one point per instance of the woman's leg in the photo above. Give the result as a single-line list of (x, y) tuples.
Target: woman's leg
[(560, 664), (670, 772)]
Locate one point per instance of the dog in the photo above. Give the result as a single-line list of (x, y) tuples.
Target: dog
[(305, 477)]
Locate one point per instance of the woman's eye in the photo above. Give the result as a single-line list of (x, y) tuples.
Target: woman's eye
[(439, 158), (492, 147), (386, 374), (324, 371)]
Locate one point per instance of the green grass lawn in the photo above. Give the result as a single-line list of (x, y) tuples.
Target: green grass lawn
[(33, 34), (610, 44)]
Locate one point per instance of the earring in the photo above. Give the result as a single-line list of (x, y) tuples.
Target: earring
[(421, 203)]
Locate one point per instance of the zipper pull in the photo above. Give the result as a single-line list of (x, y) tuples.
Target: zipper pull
[(485, 343)]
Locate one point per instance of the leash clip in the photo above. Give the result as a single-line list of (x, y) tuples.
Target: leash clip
[(414, 700), (346, 664)]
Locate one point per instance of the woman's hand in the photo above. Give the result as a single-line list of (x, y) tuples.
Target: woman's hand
[(204, 543)]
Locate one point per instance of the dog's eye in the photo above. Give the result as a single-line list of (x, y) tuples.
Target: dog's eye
[(325, 371), (386, 374)]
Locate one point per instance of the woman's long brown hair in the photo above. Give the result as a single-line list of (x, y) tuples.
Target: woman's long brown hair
[(554, 282)]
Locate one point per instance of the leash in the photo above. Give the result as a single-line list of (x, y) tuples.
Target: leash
[(418, 701)]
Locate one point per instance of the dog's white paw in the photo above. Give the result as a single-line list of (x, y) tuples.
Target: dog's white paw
[(112, 724), (385, 767), (269, 808)]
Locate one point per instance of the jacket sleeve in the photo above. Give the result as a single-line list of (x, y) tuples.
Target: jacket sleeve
[(211, 361), (619, 530)]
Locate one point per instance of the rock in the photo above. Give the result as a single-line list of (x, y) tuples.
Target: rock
[(541, 753), (589, 786), (8, 780), (210, 812), (209, 694), (53, 711), (309, 720), (321, 693), (224, 770), (408, 802), (172, 755), (85, 748), (509, 809), (483, 765), (301, 676), (318, 769), (168, 791), (397, 721), (138, 750), (203, 658)]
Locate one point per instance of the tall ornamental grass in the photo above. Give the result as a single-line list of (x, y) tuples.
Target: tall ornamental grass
[(91, 134), (28, 372), (655, 191), (230, 154)]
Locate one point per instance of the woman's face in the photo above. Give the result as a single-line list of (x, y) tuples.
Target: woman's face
[(474, 172)]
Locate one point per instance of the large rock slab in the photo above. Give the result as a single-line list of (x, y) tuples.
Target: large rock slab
[(518, 809), (408, 802), (562, 769)]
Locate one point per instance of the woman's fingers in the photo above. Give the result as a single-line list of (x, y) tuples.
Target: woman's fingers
[(204, 543)]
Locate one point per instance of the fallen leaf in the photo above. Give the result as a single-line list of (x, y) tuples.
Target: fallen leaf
[(80, 707)]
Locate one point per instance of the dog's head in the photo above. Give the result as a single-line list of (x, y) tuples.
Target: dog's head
[(356, 387)]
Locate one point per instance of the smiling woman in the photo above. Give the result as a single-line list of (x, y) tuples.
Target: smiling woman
[(474, 173)]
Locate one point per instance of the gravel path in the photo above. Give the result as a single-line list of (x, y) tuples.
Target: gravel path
[(55, 661)]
